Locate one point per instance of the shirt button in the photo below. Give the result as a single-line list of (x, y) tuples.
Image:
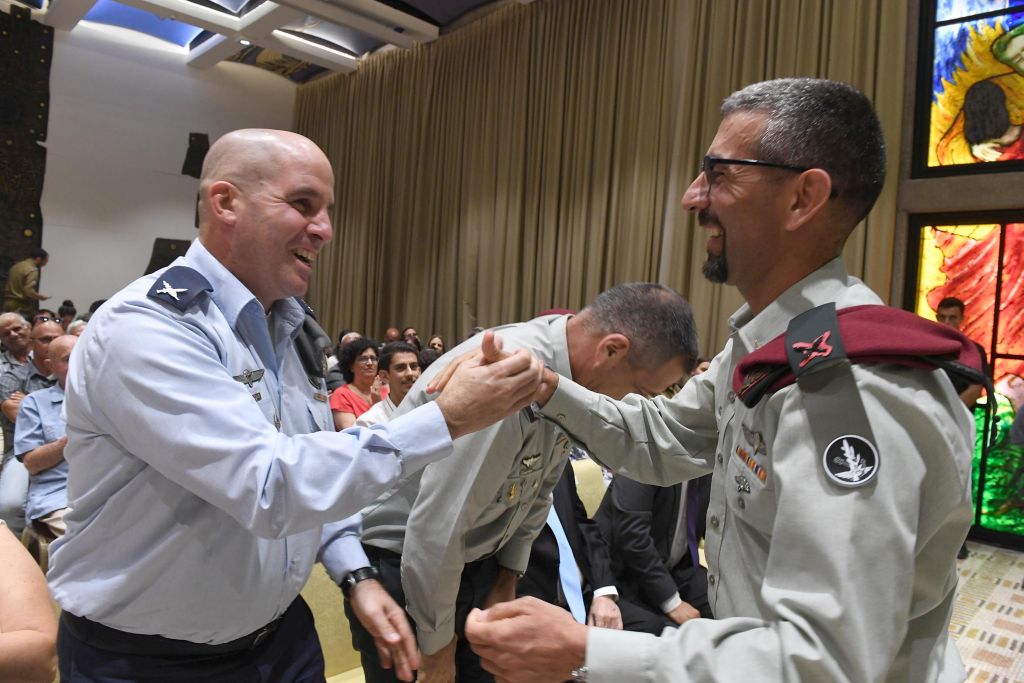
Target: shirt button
[(741, 503), (713, 521), (711, 579), (731, 397), (720, 458), (560, 417)]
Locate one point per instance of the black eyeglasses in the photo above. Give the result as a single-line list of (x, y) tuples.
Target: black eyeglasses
[(708, 163)]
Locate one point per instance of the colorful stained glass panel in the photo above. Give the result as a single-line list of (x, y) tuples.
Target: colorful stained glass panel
[(977, 91)]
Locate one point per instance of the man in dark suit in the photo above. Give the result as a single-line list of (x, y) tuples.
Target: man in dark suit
[(652, 533), (602, 603)]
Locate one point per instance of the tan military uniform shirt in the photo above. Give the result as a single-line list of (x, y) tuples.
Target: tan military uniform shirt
[(809, 581), (491, 497), (22, 280)]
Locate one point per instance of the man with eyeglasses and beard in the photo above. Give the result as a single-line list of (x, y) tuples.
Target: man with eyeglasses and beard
[(840, 455)]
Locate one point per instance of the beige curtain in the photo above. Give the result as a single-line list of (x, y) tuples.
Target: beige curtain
[(517, 164), (537, 156), (732, 43)]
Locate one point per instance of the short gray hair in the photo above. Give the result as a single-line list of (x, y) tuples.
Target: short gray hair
[(657, 320), (817, 123)]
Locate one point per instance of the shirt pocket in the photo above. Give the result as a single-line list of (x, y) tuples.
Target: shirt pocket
[(320, 419)]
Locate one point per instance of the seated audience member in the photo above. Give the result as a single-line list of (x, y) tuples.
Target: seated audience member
[(475, 331), (14, 338), (410, 336), (362, 389), (77, 327), (28, 629), (454, 538), (66, 313), (653, 532), (950, 312), (14, 385), (392, 335), (570, 566), (436, 342), (399, 368), (39, 440), (44, 315), (427, 358)]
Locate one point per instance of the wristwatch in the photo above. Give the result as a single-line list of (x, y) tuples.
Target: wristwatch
[(354, 577), (579, 674)]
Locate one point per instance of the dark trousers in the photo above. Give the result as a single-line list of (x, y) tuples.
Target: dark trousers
[(290, 654), (476, 584)]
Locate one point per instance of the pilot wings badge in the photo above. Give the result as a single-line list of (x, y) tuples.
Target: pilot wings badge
[(249, 377), (851, 461)]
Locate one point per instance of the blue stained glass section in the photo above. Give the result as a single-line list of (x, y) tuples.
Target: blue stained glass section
[(951, 42), (116, 14), (954, 9)]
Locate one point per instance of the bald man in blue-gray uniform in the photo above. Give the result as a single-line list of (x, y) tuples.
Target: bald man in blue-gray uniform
[(205, 476)]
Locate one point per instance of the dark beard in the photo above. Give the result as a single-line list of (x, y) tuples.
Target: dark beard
[(715, 268)]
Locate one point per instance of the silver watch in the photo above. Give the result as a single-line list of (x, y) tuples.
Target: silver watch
[(579, 673)]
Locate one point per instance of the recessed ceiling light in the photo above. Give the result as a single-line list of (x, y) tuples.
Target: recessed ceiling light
[(245, 42)]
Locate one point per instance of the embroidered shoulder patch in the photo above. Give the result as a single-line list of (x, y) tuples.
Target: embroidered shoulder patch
[(179, 286), (851, 461)]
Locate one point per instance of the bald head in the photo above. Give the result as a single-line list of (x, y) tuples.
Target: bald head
[(248, 157), (265, 198), (60, 354)]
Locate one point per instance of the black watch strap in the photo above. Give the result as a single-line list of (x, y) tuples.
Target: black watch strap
[(354, 577)]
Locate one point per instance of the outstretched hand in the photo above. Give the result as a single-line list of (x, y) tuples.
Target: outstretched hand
[(527, 641), (487, 386)]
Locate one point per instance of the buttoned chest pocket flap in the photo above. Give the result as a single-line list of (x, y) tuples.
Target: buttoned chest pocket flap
[(749, 486), (316, 400), (523, 481)]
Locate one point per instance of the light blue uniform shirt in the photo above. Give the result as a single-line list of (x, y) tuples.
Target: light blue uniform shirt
[(39, 423), (192, 516)]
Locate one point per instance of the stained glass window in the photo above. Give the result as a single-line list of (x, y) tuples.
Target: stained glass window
[(982, 264), (972, 69)]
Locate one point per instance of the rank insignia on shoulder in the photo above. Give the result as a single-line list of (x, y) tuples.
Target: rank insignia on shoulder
[(179, 286), (851, 461)]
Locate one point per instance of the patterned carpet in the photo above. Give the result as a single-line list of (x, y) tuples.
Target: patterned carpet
[(988, 619)]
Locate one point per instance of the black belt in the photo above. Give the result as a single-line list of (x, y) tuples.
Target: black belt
[(113, 640)]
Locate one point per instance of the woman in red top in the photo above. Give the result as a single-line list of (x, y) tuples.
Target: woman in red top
[(358, 363)]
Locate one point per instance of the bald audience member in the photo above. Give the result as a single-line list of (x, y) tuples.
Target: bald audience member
[(39, 439), (15, 384)]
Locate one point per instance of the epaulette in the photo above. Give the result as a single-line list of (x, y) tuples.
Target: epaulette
[(180, 287), (861, 334)]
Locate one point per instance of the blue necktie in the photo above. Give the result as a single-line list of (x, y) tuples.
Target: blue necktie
[(567, 571)]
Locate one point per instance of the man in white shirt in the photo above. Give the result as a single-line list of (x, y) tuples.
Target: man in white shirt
[(399, 367)]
